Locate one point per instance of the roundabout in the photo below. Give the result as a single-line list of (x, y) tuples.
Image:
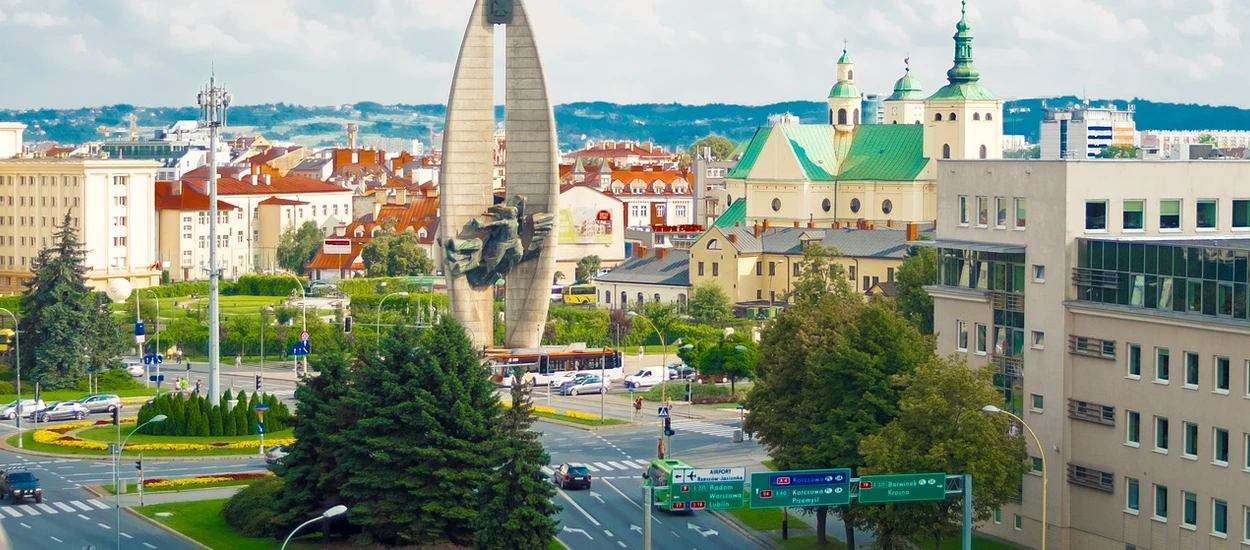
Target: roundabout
[(86, 439)]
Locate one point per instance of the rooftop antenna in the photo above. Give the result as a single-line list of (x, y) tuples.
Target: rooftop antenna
[(213, 101)]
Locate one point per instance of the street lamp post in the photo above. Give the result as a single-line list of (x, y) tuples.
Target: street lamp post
[(332, 512), (378, 319), (17, 365), (304, 321), (1041, 451), (263, 311), (664, 371), (117, 479), (156, 326)]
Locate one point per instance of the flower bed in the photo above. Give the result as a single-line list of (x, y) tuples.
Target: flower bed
[(581, 415), (57, 436), (201, 480)]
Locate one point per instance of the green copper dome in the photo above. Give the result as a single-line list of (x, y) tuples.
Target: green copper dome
[(907, 87), (963, 75), (844, 90), (846, 58)]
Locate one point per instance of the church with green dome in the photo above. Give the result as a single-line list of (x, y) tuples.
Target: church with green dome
[(844, 173)]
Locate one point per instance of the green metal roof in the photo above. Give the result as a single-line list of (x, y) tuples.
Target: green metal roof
[(907, 87), (735, 214), (740, 149), (846, 58), (964, 90), (844, 89), (813, 147), (885, 152), (750, 153)]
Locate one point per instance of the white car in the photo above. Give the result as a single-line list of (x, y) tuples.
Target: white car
[(10, 411), (137, 370), (648, 376)]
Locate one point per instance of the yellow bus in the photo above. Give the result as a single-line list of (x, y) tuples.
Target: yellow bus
[(580, 295), (6, 339)]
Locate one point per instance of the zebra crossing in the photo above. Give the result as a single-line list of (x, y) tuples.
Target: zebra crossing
[(50, 508), (632, 467), (705, 428)]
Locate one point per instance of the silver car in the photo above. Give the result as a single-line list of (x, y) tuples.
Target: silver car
[(590, 384), (101, 402), (10, 411), (61, 410)]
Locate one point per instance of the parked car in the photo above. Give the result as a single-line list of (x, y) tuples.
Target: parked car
[(682, 373), (19, 484), (275, 454), (649, 376), (590, 384), (10, 411), (137, 370), (563, 381), (101, 402), (320, 288), (61, 410), (571, 474)]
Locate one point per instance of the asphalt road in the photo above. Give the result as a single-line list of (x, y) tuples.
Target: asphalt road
[(610, 514)]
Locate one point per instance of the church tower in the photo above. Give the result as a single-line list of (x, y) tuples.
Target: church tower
[(906, 104), (845, 103), (963, 120)]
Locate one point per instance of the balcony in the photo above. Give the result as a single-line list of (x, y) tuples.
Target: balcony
[(1091, 412), (1009, 301), (1091, 347), (1092, 478), (1095, 278)]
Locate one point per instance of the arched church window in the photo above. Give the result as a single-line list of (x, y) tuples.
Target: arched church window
[(952, 118), (841, 116), (830, 116), (976, 116), (989, 116), (624, 299), (946, 151), (856, 116), (937, 117), (984, 152), (850, 74)]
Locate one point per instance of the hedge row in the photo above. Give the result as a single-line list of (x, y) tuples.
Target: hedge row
[(192, 415)]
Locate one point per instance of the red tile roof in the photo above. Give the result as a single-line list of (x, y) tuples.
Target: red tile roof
[(420, 212), (337, 261), (189, 199), (277, 185), (282, 202)]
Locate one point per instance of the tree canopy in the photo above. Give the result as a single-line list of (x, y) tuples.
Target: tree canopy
[(59, 314), (298, 245), (396, 255), (1121, 151), (732, 356), (587, 267), (918, 269), (721, 146), (710, 304)]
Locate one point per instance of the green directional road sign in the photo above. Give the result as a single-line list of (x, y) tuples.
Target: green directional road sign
[(902, 487), (798, 488), (707, 488)]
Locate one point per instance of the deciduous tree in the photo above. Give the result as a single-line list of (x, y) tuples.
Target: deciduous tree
[(391, 254), (721, 146), (298, 245), (918, 269), (710, 304), (940, 428), (733, 356), (517, 511), (587, 267)]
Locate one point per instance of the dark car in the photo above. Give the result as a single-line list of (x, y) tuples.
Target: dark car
[(683, 373), (18, 484), (571, 475)]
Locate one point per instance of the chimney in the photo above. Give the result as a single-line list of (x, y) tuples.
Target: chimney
[(252, 178), (889, 223), (642, 252), (796, 223), (268, 179), (175, 187), (351, 135), (811, 225), (912, 232), (757, 230), (765, 224), (733, 238), (661, 252)]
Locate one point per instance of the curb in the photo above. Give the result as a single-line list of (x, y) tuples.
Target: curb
[(759, 538), (178, 535), (99, 491), (4, 444), (580, 426)]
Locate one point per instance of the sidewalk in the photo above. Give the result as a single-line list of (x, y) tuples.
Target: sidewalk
[(132, 498)]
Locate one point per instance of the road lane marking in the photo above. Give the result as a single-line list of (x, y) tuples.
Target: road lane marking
[(28, 509), (126, 535), (591, 468), (548, 471), (105, 526), (148, 545), (24, 525), (578, 507), (55, 539), (11, 512), (603, 466), (98, 504), (47, 508), (80, 506), (84, 517), (64, 507)]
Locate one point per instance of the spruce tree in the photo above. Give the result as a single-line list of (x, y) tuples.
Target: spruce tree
[(312, 473), (427, 410), (240, 417), (177, 422), (517, 511), (55, 317), (214, 421), (227, 420)]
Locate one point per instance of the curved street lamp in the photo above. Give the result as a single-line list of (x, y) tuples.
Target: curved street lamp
[(17, 365), (378, 319), (332, 512), (117, 479), (663, 368), (995, 410)]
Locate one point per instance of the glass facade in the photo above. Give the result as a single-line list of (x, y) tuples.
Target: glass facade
[(1003, 276), (1208, 278)]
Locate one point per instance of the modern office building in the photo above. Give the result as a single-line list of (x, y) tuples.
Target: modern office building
[(1112, 299), (873, 111), (1084, 132)]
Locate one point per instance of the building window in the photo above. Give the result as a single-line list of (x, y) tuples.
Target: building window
[(826, 205), (1191, 370), (1019, 522), (952, 118), (855, 205), (772, 269), (961, 338), (1037, 465), (1132, 499), (1191, 440), (1222, 365), (851, 271), (983, 211), (1245, 535), (700, 269), (759, 294), (1241, 214), (1170, 214), (1039, 339), (1162, 365), (937, 117), (1205, 214), (1134, 215), (1132, 429), (1020, 213), (1189, 513), (887, 206), (1219, 517), (1220, 445), (1161, 434), (796, 269), (1000, 208), (715, 269), (202, 241), (1095, 215), (1039, 273), (984, 152), (889, 274), (776, 205), (1161, 502), (679, 210), (981, 339), (946, 151), (998, 515), (656, 297), (963, 210), (759, 268), (1037, 403)]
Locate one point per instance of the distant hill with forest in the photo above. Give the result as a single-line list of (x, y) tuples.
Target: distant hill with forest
[(669, 124)]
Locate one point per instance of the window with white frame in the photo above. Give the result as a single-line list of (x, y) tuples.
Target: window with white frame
[(1039, 339), (1132, 429), (1191, 441), (1191, 369), (983, 211), (1132, 498), (1189, 512), (1219, 518), (1161, 434), (1163, 367), (1161, 502), (1205, 214), (961, 331), (981, 339), (1000, 212), (963, 210), (1220, 446), (1221, 373), (679, 210), (1020, 212), (1134, 361)]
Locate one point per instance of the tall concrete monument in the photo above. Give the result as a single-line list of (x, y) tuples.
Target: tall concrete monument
[(481, 241)]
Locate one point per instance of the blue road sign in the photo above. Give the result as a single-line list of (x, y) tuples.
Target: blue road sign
[(159, 358), (260, 427), (261, 407), (663, 411), (90, 369), (299, 349), (157, 378), (139, 328)]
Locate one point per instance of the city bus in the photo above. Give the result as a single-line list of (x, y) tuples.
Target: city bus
[(541, 364), (659, 476), (580, 295)]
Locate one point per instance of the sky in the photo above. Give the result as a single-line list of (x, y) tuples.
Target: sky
[(73, 53)]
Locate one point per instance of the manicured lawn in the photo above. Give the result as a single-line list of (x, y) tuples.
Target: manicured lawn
[(978, 543), (28, 392), (765, 520), (582, 421), (109, 433), (110, 489), (29, 442), (201, 520), (808, 542)]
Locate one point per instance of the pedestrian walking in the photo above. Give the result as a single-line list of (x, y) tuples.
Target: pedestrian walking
[(238, 362), (638, 407), (640, 350), (199, 384)]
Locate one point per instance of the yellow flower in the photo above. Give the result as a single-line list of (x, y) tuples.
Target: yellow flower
[(581, 415)]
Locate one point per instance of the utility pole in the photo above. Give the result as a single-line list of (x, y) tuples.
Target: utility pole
[(213, 101)]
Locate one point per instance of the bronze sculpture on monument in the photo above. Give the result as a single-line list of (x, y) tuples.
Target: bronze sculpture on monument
[(508, 240)]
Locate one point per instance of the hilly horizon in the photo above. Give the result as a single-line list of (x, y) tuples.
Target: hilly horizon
[(672, 125)]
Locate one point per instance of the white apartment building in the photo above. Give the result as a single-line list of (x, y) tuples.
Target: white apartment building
[(1163, 141), (1084, 132), (109, 202), (1113, 300)]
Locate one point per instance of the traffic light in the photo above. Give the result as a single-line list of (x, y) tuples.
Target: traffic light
[(688, 392), (258, 382), (117, 417), (139, 464), (347, 323), (668, 426)]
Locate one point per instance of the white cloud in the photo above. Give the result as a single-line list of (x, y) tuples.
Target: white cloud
[(1214, 22), (38, 19)]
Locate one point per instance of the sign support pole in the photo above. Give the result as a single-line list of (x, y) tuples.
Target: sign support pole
[(649, 491), (785, 524), (967, 527)]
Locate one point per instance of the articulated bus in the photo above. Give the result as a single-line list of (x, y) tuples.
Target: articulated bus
[(541, 364), (580, 295), (660, 477)]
